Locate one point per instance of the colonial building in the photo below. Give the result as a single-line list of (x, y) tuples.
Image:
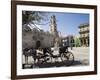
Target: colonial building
[(68, 41), (84, 34), (54, 31), (53, 26), (36, 37)]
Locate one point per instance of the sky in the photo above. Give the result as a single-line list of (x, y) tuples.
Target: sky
[(67, 23)]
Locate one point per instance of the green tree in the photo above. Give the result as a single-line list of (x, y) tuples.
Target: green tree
[(77, 42)]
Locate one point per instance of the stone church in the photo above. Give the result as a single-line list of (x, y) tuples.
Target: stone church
[(36, 37)]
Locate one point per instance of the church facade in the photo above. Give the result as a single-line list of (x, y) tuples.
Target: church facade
[(39, 38)]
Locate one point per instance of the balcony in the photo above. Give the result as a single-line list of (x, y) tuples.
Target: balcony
[(84, 35)]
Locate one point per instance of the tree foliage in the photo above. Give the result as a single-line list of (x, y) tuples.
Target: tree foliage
[(77, 42), (33, 17)]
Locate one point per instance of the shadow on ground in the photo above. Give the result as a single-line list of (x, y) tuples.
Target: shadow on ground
[(49, 65)]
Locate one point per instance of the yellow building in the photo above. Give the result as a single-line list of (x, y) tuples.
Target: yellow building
[(84, 34)]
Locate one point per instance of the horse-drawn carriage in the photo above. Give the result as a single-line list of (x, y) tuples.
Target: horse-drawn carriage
[(49, 55)]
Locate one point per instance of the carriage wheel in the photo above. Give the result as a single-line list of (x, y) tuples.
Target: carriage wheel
[(67, 58), (48, 59)]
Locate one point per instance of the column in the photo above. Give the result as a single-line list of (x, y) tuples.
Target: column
[(86, 42)]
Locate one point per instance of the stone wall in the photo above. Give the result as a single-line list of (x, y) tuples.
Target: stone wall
[(29, 38)]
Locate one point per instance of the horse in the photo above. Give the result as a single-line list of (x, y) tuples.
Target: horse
[(29, 52), (36, 54)]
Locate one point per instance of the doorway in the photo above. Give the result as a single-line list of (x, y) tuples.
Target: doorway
[(38, 44)]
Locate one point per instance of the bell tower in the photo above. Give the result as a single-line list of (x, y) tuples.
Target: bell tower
[(53, 26)]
